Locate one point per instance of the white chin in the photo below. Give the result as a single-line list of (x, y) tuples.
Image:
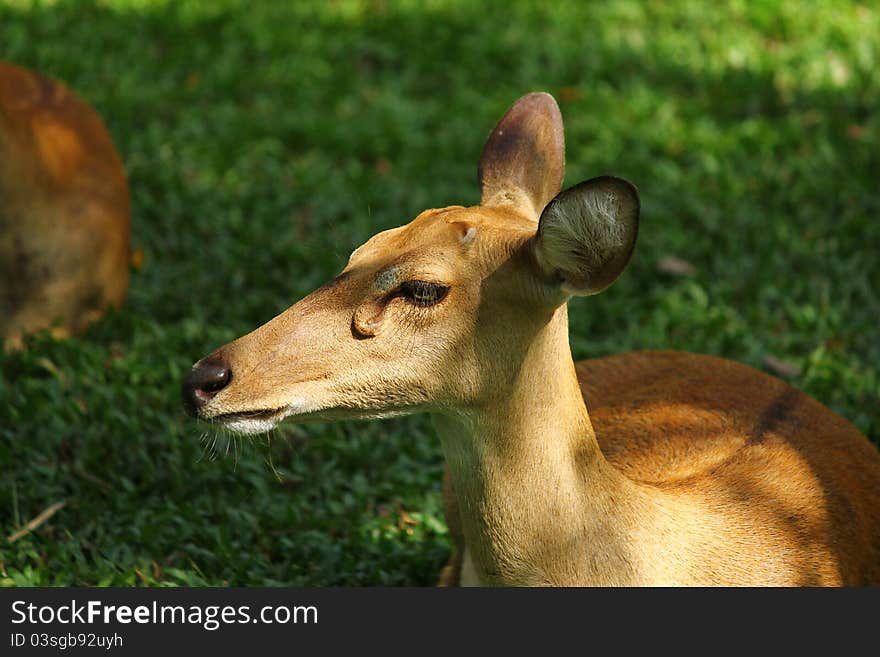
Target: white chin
[(301, 410), (250, 426)]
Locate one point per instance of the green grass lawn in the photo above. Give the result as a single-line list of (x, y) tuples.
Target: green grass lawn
[(265, 140)]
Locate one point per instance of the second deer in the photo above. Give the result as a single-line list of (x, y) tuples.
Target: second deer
[(65, 212), (687, 470)]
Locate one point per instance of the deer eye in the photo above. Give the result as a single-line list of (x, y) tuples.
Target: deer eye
[(422, 293)]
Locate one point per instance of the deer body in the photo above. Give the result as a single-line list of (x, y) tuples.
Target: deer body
[(693, 470), (686, 470), (64, 210)]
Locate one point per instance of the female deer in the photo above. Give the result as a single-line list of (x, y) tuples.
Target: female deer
[(65, 213), (690, 470)]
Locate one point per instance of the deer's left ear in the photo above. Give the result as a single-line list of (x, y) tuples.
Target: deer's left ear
[(587, 234), (523, 160)]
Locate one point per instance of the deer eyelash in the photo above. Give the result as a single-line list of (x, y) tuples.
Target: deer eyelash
[(423, 293)]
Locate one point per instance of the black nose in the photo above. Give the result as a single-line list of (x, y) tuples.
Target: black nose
[(205, 379)]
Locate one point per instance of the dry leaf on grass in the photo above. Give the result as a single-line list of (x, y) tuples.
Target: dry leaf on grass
[(781, 367), (675, 266)]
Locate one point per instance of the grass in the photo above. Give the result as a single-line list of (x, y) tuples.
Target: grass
[(265, 140)]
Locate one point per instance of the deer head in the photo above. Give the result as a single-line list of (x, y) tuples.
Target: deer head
[(436, 315)]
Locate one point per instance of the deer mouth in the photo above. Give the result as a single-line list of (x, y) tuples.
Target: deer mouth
[(261, 420), (250, 422), (260, 415)]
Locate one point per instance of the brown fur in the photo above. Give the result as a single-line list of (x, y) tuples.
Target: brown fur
[(688, 470), (64, 210), (745, 442)]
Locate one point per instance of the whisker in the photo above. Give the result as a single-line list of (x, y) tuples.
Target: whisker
[(204, 442), (213, 448), (269, 460)]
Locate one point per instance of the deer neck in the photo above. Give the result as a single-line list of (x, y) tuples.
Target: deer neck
[(539, 502)]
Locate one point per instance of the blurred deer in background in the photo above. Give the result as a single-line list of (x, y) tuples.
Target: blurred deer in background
[(64, 210), (688, 470)]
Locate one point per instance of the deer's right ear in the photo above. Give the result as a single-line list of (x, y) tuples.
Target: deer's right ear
[(523, 160), (587, 234)]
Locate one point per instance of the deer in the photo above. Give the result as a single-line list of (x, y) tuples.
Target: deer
[(688, 470), (65, 212)]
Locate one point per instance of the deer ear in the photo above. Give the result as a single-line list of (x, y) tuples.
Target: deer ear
[(587, 234), (523, 160)]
